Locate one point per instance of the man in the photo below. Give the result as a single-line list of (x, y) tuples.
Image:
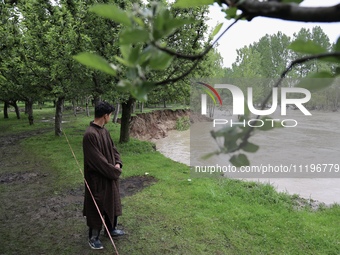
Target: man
[(102, 168)]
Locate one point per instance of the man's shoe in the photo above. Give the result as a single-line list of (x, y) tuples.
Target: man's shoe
[(116, 232), (95, 243)]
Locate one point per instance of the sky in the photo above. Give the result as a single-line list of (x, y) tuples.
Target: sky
[(244, 33)]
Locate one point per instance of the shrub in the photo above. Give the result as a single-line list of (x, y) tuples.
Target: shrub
[(183, 123)]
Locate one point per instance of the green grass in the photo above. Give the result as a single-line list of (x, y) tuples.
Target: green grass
[(178, 216)]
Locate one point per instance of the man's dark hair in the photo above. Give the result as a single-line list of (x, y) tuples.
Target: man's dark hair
[(103, 108)]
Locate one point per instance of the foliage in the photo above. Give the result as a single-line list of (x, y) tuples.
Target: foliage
[(142, 43), (155, 25), (41, 38), (183, 123)]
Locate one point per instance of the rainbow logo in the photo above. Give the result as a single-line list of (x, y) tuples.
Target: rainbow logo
[(210, 89)]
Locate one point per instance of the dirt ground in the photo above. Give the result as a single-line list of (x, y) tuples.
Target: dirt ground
[(29, 207)]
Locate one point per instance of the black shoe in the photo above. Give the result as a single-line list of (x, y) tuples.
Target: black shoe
[(95, 243), (116, 232)]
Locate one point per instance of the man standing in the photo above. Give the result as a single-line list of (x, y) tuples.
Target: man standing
[(102, 168)]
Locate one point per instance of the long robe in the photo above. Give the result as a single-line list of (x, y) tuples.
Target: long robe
[(100, 158)]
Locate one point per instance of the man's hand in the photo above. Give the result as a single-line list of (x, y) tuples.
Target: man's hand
[(117, 166)]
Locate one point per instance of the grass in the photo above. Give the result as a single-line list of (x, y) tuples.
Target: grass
[(175, 215)]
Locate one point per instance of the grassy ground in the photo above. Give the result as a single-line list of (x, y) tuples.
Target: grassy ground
[(42, 213)]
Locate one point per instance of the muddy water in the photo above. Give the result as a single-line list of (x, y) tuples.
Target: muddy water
[(175, 146), (315, 140)]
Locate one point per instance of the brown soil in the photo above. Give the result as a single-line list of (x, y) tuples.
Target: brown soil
[(156, 124)]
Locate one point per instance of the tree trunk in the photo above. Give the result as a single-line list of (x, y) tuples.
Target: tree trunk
[(26, 110), (127, 108), (141, 106), (115, 116), (6, 110), (87, 109), (29, 108), (134, 107), (96, 100), (164, 103), (58, 116), (17, 111), (74, 107)]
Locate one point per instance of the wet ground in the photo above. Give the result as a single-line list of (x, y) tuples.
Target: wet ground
[(30, 209)]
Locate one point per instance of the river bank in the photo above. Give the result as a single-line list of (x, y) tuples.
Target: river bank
[(324, 190)]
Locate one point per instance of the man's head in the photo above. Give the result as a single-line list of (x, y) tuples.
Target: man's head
[(103, 108)]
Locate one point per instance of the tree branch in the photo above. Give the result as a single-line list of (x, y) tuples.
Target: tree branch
[(166, 81), (200, 55), (286, 11), (195, 58)]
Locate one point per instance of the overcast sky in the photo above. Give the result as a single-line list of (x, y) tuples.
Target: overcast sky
[(245, 33)]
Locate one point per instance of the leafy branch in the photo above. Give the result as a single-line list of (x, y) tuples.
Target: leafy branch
[(287, 10), (202, 54)]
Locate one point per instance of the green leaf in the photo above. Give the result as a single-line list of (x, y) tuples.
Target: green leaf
[(139, 21), (292, 1), (130, 54), (316, 81), (131, 36), (191, 3), (123, 61), (209, 155), (160, 60), (96, 62), (250, 147), (125, 50), (216, 30), (308, 47), (125, 84), (142, 90), (112, 12), (331, 59), (227, 132), (134, 54), (2, 78), (160, 19), (239, 160), (231, 13)]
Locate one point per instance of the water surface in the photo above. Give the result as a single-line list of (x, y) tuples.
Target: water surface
[(315, 140)]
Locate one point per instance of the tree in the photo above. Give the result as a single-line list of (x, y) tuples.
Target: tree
[(318, 37), (142, 57), (158, 24), (41, 38), (15, 67), (210, 65)]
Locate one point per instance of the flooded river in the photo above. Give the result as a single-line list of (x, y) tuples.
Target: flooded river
[(315, 140)]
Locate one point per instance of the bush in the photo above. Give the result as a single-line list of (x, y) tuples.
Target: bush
[(183, 123)]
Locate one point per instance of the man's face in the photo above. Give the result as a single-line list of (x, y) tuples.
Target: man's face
[(107, 118)]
